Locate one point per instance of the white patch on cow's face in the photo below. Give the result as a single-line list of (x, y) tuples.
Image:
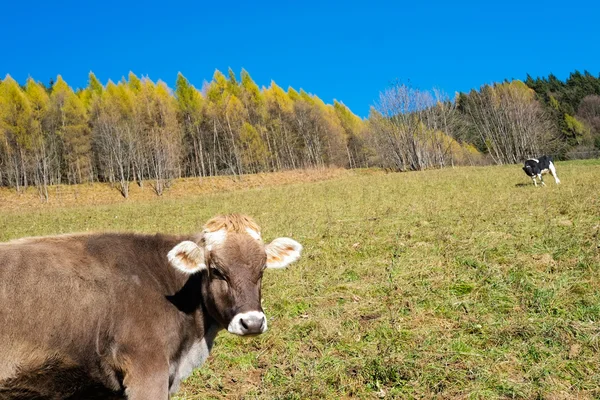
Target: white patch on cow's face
[(187, 257), (215, 238), (248, 323), (255, 235), (282, 251)]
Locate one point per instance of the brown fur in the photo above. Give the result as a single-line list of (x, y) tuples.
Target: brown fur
[(106, 312), (241, 262)]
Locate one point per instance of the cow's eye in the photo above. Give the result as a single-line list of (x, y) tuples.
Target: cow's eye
[(217, 274)]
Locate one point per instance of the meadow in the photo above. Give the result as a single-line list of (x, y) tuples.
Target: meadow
[(461, 283)]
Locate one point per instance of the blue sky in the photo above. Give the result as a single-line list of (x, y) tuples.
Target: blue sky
[(349, 51)]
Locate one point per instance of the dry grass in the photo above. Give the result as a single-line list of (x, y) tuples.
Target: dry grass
[(447, 284), (103, 193)]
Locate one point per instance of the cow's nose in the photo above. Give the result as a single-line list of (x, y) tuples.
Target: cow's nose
[(248, 323), (252, 324)]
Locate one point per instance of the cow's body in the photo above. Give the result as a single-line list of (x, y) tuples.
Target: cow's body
[(108, 314), (535, 167)]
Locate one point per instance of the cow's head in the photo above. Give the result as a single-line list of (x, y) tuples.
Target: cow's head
[(232, 258), (528, 170)]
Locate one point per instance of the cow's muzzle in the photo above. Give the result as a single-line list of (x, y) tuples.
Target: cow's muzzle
[(248, 323)]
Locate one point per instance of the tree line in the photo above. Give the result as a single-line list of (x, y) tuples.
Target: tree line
[(501, 123), (514, 120), (574, 108), (137, 131)]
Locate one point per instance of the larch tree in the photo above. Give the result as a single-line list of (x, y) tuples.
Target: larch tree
[(332, 133), (44, 145), (234, 117), (354, 129), (253, 148), (114, 135), (190, 114), (15, 133), (227, 114), (92, 92), (68, 119), (304, 118), (322, 136), (280, 122), (157, 130), (254, 103), (136, 130)]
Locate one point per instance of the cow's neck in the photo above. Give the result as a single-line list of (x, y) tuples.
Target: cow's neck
[(202, 328), (195, 354), (167, 279), (188, 299)]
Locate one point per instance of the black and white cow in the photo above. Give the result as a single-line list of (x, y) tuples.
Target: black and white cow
[(536, 167)]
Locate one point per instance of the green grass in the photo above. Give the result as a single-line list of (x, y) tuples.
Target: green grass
[(456, 283)]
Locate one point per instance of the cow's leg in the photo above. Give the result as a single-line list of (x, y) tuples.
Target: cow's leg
[(553, 173), (146, 378), (541, 179), (534, 181)]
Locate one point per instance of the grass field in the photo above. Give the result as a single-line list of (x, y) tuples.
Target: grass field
[(455, 283)]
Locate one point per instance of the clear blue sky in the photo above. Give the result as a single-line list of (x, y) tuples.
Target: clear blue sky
[(348, 51)]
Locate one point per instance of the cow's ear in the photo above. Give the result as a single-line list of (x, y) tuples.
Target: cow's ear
[(281, 252), (187, 257)]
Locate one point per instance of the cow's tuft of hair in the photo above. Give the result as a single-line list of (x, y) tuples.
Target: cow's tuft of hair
[(238, 223)]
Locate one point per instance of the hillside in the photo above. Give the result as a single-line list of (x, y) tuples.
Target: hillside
[(455, 283)]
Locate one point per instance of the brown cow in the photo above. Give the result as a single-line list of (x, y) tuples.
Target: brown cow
[(114, 315)]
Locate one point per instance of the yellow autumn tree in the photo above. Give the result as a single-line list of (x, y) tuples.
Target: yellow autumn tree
[(253, 148), (279, 109), (43, 141), (69, 121), (157, 132), (191, 117), (15, 133)]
